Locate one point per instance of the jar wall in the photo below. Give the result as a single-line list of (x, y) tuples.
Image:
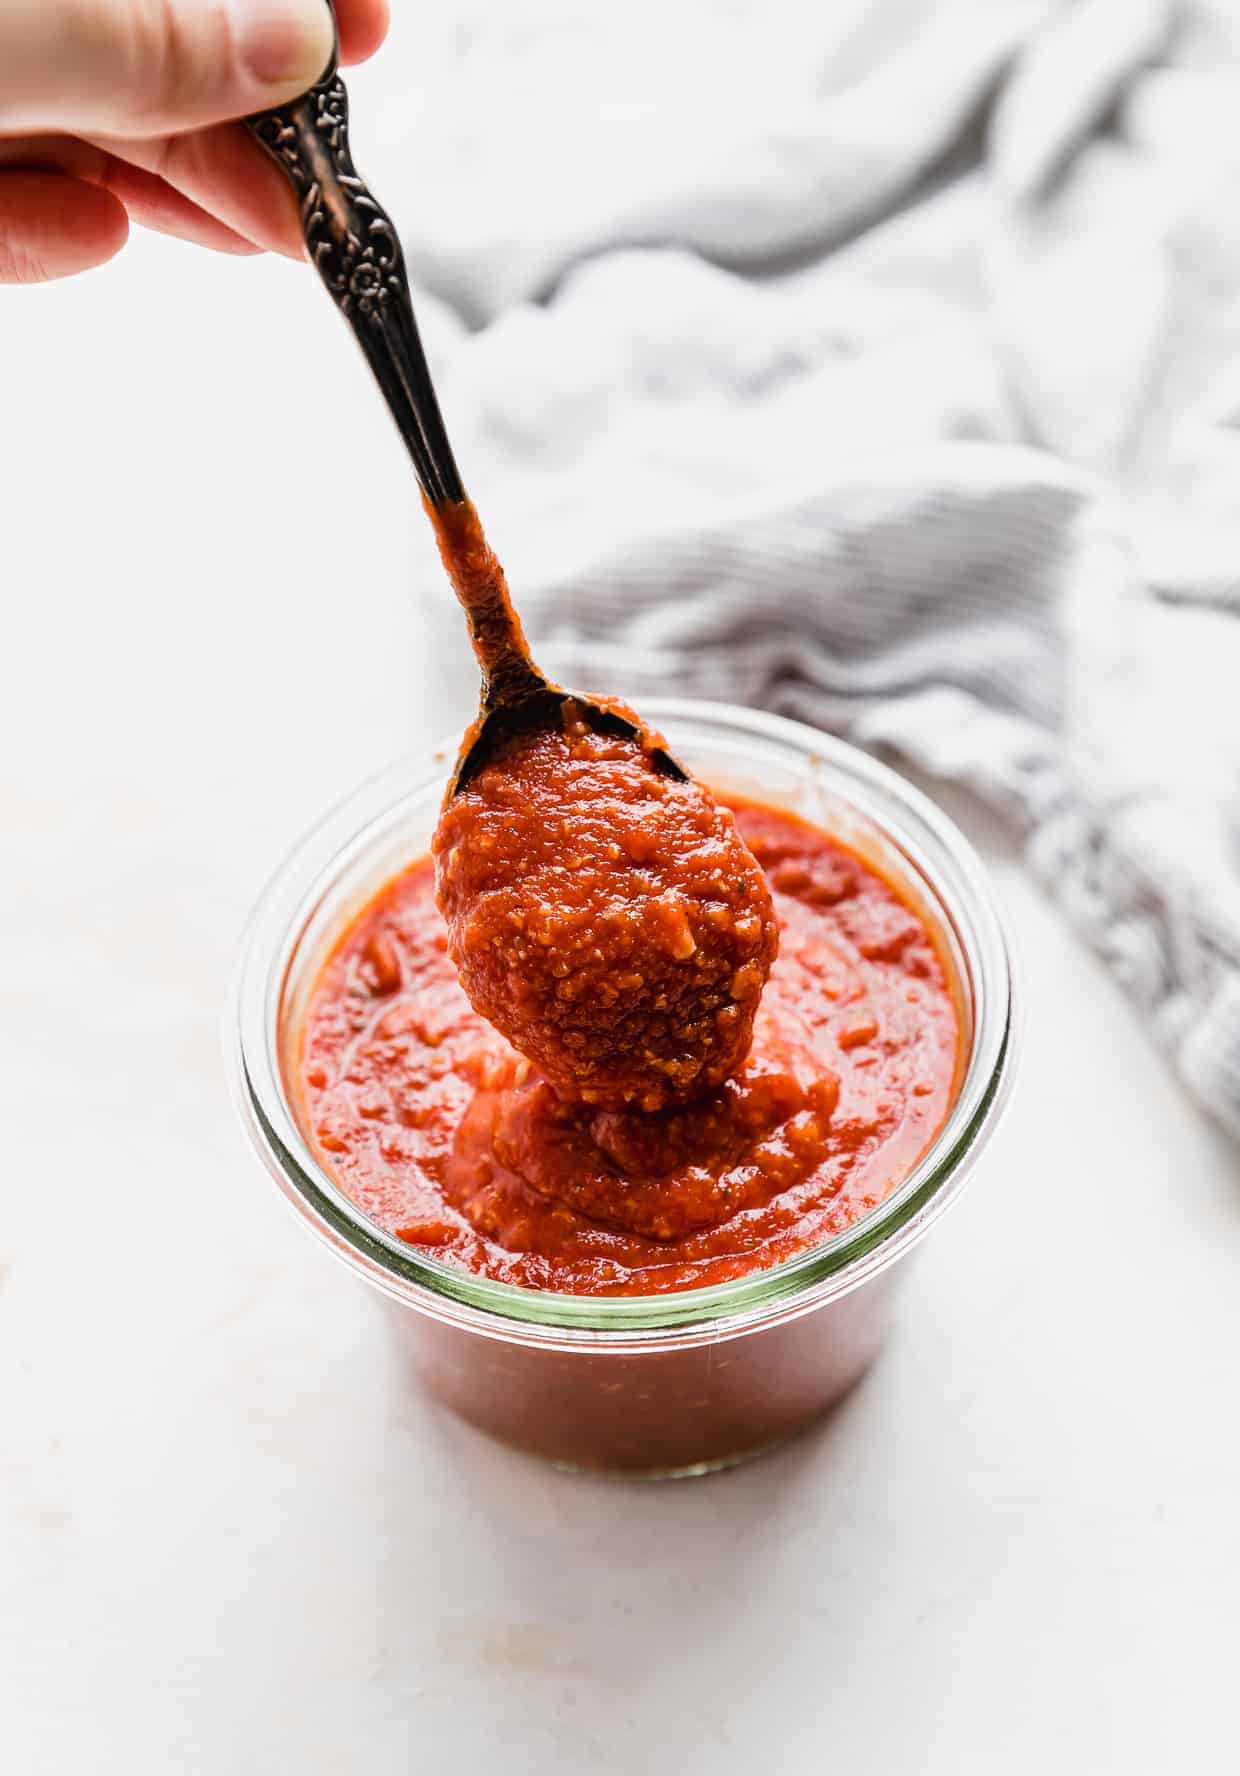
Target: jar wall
[(605, 1394), (651, 1411)]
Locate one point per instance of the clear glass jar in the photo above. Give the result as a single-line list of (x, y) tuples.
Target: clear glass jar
[(668, 1384)]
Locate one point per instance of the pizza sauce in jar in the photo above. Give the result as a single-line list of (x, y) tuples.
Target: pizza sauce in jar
[(450, 1138)]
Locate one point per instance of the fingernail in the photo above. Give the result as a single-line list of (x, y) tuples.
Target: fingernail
[(284, 42)]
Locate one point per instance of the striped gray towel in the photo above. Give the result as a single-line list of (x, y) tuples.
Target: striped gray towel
[(880, 365)]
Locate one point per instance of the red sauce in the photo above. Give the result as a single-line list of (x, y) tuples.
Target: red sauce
[(448, 1137), (603, 913), (605, 916)]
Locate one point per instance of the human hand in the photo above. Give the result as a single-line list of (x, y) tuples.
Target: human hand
[(117, 110)]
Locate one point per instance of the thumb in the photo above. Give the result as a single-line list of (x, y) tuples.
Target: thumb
[(154, 67)]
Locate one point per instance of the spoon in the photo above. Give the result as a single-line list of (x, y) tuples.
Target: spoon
[(353, 245)]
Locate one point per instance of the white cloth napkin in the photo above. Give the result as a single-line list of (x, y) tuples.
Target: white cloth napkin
[(878, 363)]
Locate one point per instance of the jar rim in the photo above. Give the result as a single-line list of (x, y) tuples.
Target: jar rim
[(928, 840)]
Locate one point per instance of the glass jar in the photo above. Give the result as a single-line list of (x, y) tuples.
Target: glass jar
[(670, 1384)]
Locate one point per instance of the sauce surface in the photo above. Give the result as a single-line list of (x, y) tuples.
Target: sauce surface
[(441, 1131), (606, 917)]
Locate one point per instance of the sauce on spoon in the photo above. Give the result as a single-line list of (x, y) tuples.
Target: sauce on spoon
[(603, 911)]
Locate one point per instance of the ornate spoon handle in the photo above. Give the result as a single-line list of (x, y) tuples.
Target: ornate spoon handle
[(355, 249)]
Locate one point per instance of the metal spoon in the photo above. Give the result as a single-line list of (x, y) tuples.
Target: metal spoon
[(353, 245)]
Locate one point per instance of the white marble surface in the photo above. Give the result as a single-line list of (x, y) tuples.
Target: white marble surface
[(230, 1541)]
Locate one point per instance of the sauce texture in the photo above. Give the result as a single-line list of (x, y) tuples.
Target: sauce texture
[(603, 912), (607, 918), (440, 1130)]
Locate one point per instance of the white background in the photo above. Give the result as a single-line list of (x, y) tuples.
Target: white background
[(231, 1541)]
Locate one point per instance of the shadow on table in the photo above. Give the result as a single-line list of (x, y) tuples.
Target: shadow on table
[(636, 1586)]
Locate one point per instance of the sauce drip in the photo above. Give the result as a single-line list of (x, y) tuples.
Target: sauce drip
[(478, 579)]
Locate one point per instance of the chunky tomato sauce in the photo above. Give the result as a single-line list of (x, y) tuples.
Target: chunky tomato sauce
[(605, 916), (448, 1137), (603, 913)]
